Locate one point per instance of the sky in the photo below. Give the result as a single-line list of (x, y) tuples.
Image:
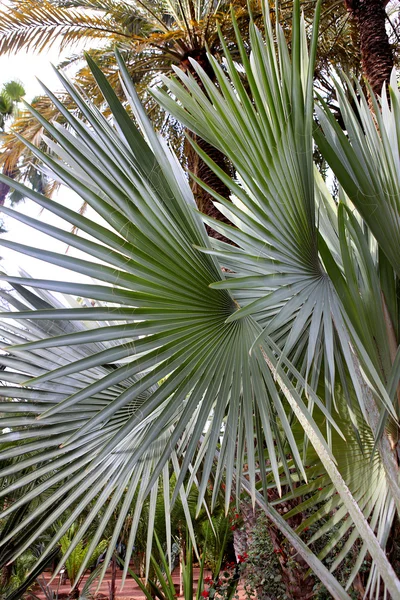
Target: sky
[(27, 67)]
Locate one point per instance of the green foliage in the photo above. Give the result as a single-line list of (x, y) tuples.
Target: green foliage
[(14, 90), (217, 535), (262, 574), (10, 95), (197, 360), (6, 107), (79, 555), (20, 570)]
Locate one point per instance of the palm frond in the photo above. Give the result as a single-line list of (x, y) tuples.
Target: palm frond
[(188, 357), (282, 273), (37, 25), (329, 526), (147, 264)]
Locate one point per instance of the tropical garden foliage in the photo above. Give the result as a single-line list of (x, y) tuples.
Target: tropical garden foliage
[(10, 96), (270, 362), (153, 38)]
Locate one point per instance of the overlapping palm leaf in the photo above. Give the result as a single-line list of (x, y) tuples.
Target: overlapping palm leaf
[(331, 532), (368, 160), (278, 276), (368, 172), (43, 470), (107, 408), (303, 268)]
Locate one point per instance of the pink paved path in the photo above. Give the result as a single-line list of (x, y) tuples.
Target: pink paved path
[(130, 591)]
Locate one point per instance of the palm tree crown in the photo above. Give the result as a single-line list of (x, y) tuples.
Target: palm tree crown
[(153, 38)]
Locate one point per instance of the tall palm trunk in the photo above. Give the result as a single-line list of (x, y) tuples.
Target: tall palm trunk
[(376, 51), (197, 166)]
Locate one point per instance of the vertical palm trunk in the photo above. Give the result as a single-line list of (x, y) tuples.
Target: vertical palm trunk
[(5, 576), (376, 52), (197, 166)]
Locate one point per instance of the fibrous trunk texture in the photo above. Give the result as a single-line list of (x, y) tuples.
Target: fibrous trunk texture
[(376, 51), (204, 200), (5, 576)]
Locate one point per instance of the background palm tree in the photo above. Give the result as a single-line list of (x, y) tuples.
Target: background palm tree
[(376, 51), (153, 37), (10, 99)]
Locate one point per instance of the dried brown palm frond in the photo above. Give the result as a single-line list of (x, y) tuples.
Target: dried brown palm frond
[(15, 160)]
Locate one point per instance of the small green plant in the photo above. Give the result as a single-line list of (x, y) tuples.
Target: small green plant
[(224, 586), (10, 96), (262, 575), (218, 533), (78, 555), (19, 571)]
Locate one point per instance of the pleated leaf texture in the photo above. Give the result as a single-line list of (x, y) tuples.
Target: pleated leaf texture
[(191, 360)]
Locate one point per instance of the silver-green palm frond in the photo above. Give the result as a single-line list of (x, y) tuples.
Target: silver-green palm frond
[(190, 358), (173, 334), (326, 524), (305, 269)]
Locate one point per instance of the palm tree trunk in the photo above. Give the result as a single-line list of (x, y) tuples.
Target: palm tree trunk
[(5, 576), (197, 166), (204, 200), (376, 52)]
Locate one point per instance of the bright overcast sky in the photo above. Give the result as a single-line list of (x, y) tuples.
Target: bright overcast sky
[(25, 67)]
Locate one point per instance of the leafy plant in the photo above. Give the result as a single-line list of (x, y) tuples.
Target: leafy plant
[(28, 570), (262, 575), (79, 555), (200, 358), (10, 95), (19, 571)]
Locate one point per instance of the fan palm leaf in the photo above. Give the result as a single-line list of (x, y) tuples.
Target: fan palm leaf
[(190, 358), (152, 272), (275, 214)]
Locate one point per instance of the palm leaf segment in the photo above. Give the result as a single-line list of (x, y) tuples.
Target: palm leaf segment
[(109, 426), (315, 292), (138, 392)]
